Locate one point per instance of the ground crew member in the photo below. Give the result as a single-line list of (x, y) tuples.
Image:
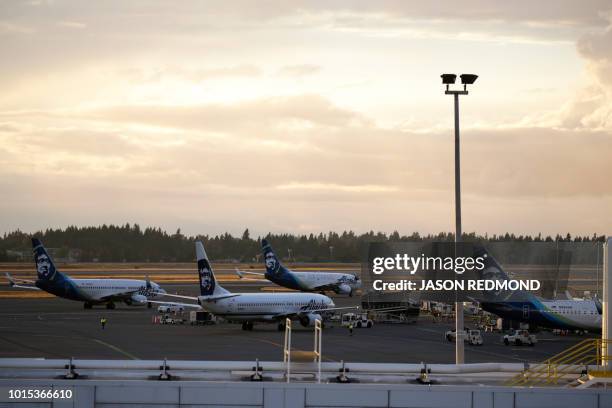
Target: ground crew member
[(351, 328), (103, 322)]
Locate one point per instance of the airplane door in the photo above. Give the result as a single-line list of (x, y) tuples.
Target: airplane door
[(525, 311)]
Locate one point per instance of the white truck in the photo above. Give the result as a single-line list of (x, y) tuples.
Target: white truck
[(520, 337), (358, 320), (170, 309), (472, 337)]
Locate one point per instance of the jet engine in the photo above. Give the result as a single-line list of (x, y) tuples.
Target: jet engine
[(344, 289), (137, 300), (310, 319)]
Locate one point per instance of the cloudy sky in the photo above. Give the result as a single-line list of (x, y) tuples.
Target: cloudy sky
[(305, 116)]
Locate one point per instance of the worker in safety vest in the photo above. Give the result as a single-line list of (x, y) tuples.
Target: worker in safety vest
[(103, 322)]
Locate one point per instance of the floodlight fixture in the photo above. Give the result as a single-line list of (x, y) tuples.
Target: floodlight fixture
[(468, 79), (448, 79)]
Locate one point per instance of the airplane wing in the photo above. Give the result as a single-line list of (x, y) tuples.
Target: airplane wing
[(205, 299), (214, 298), (17, 284), (307, 312), (176, 296), (242, 273), (175, 304)]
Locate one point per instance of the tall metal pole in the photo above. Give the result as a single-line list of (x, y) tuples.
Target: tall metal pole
[(459, 346)]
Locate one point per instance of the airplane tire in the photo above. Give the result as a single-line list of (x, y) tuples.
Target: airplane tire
[(506, 342), (149, 305), (250, 326)]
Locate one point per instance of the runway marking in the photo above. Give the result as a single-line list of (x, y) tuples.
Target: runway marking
[(117, 349)]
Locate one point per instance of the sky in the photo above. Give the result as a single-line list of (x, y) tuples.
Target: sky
[(305, 116)]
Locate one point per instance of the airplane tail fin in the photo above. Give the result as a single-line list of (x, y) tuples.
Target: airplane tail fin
[(208, 283), (494, 271), (45, 268), (273, 265)]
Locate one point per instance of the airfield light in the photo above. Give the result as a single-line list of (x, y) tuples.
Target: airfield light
[(466, 79)]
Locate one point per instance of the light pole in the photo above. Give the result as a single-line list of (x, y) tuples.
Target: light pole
[(466, 79)]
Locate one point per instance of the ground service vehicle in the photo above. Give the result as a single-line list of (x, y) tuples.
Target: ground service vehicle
[(520, 337), (472, 337), (170, 309), (197, 317), (358, 320)]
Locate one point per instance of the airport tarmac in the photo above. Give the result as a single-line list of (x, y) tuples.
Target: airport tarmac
[(58, 328)]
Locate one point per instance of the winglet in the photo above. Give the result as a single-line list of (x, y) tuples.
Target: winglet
[(10, 279), (239, 273)]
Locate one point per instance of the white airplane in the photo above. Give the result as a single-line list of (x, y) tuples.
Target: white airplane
[(340, 283), (526, 307), (247, 308), (90, 291)]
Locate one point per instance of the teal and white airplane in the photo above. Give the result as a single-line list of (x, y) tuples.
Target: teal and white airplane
[(527, 308), (340, 283), (89, 291)]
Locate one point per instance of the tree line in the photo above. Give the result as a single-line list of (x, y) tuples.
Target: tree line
[(131, 243)]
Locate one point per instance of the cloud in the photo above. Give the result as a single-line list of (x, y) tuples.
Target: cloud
[(72, 24), (264, 113), (201, 108), (299, 70), (592, 107)]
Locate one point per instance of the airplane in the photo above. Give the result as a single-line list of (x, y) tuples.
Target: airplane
[(340, 283), (90, 291), (526, 307), (247, 308)]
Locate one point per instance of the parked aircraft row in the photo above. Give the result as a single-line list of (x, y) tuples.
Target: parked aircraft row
[(305, 307), (245, 308)]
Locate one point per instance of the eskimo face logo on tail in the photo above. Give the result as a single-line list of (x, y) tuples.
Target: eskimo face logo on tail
[(43, 266), (206, 280), (493, 273), (270, 261)]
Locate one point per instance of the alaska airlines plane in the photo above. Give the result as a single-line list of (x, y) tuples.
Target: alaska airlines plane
[(90, 291), (247, 308), (526, 307), (340, 283)]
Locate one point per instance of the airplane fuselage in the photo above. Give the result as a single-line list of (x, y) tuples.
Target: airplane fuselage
[(98, 290), (554, 314), (265, 306), (315, 281)]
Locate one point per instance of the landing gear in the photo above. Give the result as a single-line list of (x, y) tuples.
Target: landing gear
[(110, 305), (280, 327), (87, 305), (149, 305), (247, 326)]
